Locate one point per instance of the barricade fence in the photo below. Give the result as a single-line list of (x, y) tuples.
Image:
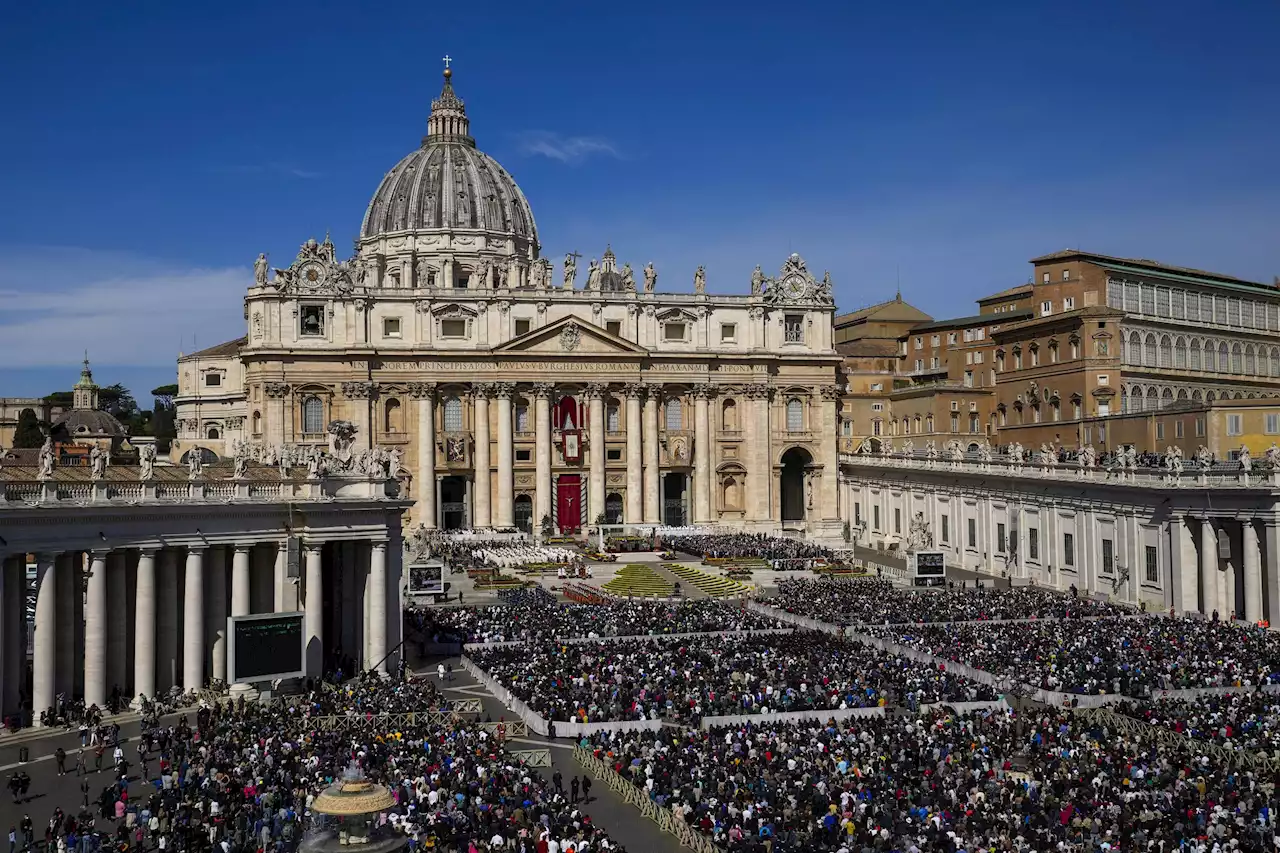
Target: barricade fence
[(635, 637), (532, 757), (1230, 756), (790, 716)]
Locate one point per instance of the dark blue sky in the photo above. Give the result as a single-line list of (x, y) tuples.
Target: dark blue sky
[(151, 150)]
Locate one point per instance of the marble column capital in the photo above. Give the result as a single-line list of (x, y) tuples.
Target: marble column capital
[(596, 390), (504, 390), (149, 550), (422, 390), (312, 547), (241, 548), (543, 390)]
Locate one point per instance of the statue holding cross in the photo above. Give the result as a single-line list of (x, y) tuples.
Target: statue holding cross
[(570, 269)]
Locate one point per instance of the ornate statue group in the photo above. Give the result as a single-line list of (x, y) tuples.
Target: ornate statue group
[(919, 535), (340, 458)]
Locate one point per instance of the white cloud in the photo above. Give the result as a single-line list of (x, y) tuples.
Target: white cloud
[(566, 149), (124, 309)]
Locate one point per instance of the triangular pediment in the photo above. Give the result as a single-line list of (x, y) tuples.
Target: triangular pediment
[(571, 336)]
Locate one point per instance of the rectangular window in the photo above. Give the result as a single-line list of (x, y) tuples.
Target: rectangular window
[(973, 533), (1178, 429), (613, 454), (522, 327), (453, 328), (933, 363), (1104, 409), (1045, 278), (1273, 424), (674, 415), (1035, 357), (897, 520), (919, 342), (974, 425), (728, 332), (1199, 427), (951, 337), (612, 418), (460, 282), (793, 328), (1108, 557), (1235, 425), (673, 331), (1000, 538), (391, 327), (936, 340), (875, 517), (946, 529), (1033, 543), (1066, 275), (1153, 564), (214, 380), (1159, 430), (857, 512), (1068, 549), (1046, 308), (919, 364), (613, 327), (311, 321), (877, 386), (523, 455), (1104, 378)]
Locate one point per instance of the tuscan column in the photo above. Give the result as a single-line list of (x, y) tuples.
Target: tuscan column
[(314, 612), (1252, 572), (542, 453), (635, 476), (144, 627), (95, 632), (13, 644), (596, 460), (1182, 553), (217, 611), (43, 656), (65, 649), (377, 624), (425, 394), (240, 561), (505, 518), (652, 477), (193, 620), (117, 620), (1209, 565), (482, 473), (701, 455), (167, 620)]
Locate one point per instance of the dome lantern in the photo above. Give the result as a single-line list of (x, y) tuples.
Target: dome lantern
[(448, 120)]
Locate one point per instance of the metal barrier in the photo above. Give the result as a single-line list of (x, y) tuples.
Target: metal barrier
[(514, 728), (468, 707), (687, 836), (1168, 737), (383, 722), (532, 757)]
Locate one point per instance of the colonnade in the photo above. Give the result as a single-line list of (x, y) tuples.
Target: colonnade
[(143, 620)]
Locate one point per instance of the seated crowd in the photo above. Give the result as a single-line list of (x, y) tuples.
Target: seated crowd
[(687, 679), (539, 620), (746, 545), (516, 555), (244, 776), (1129, 656), (1244, 720), (878, 602), (945, 782)]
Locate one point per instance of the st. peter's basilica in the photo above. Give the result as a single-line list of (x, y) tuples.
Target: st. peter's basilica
[(507, 392)]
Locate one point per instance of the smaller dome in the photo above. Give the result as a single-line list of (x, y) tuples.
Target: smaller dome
[(90, 423)]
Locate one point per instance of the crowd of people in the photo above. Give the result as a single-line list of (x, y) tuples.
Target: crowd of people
[(878, 602), (242, 777), (746, 546), (687, 679), (945, 782), (1242, 720), (536, 619), (1132, 656)]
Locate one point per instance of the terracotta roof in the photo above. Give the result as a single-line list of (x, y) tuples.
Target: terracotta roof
[(219, 350), (975, 320), (1107, 260), (877, 347), (863, 313), (1005, 294)]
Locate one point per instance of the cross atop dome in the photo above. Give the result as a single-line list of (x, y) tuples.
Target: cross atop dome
[(448, 120)]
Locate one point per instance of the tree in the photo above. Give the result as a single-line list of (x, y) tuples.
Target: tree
[(29, 433), (164, 395), (61, 399), (117, 400)]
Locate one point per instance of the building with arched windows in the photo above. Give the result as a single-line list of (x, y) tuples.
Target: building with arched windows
[(515, 392)]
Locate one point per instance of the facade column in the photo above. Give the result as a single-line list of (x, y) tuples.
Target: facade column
[(652, 476), (505, 518), (1182, 551), (1252, 572), (1271, 565), (167, 621), (277, 411), (483, 475), (241, 560), (65, 652), (193, 620), (542, 453), (13, 643), (314, 612), (359, 396), (701, 454), (761, 473), (1209, 566), (377, 624), (635, 475), (829, 434), (595, 453), (43, 657), (144, 627), (217, 611), (348, 638), (425, 393), (117, 621), (95, 632)]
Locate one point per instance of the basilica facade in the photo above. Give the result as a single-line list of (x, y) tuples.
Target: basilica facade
[(514, 396)]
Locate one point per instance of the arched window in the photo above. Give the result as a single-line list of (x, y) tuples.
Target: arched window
[(732, 497), (213, 432), (1224, 363), (1250, 361), (392, 416), (1166, 351), (928, 423), (795, 415), (1149, 351), (1196, 396), (1124, 401), (1210, 397), (1152, 400), (1210, 356), (1194, 362), (1166, 398), (916, 425), (906, 426), (256, 422), (1132, 354), (1055, 406), (876, 427), (729, 416), (1180, 352), (452, 414), (522, 415), (675, 418), (1237, 358), (312, 415), (612, 417), (1275, 361)]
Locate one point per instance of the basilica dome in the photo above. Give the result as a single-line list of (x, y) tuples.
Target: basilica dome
[(449, 185)]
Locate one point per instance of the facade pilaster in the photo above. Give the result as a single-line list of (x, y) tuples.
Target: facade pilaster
[(144, 624), (1252, 572), (314, 608), (635, 464), (483, 474), (1209, 566), (652, 474), (542, 453), (425, 490), (377, 619), (360, 397), (701, 454), (828, 433), (95, 632), (277, 411), (759, 441), (595, 452), (504, 518), (193, 620)]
